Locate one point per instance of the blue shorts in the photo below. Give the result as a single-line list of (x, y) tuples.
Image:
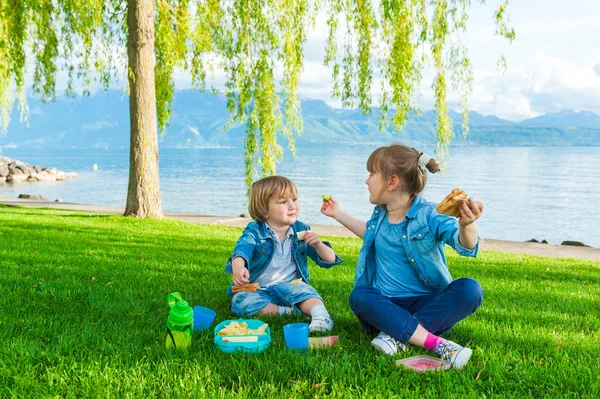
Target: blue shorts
[(285, 294)]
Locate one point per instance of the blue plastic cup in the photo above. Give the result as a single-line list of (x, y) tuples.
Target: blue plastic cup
[(296, 336), (203, 317)]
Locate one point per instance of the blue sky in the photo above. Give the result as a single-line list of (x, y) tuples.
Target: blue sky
[(553, 64)]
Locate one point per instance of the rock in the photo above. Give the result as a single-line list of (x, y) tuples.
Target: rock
[(17, 178), (13, 171), (59, 200), (34, 197), (533, 240), (544, 242), (575, 244), (244, 215), (44, 176)]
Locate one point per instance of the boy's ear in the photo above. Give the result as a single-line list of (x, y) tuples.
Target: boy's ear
[(393, 183)]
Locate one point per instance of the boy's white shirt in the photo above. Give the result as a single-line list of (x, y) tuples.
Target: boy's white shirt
[(281, 269)]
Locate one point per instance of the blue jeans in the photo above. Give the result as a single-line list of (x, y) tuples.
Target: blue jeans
[(398, 317), (285, 294)]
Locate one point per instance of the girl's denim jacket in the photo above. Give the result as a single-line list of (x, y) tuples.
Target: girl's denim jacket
[(423, 237), (256, 247)]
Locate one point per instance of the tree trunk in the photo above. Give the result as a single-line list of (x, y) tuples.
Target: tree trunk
[(143, 194)]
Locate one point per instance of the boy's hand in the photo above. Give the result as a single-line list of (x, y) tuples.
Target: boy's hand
[(470, 211), (330, 208), (312, 238), (240, 273)]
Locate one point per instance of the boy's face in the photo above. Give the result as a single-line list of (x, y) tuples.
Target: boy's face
[(283, 210)]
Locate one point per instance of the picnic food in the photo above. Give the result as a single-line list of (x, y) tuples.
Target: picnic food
[(300, 234), (322, 342), (326, 197), (250, 338), (251, 287), (451, 204), (237, 328)]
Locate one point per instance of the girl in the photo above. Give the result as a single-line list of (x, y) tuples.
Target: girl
[(402, 287)]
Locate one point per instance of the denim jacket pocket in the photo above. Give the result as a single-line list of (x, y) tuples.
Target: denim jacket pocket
[(301, 249), (423, 241), (262, 252)]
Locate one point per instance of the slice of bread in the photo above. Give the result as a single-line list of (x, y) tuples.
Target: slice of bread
[(451, 204)]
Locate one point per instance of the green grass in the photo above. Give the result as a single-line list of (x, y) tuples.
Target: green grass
[(83, 313)]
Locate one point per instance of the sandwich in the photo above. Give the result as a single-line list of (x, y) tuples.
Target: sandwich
[(252, 287), (451, 204)]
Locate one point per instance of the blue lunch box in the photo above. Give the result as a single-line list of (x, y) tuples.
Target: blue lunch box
[(264, 340)]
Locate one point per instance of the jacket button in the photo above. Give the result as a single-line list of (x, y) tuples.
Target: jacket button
[(412, 260), (419, 235), (403, 236)]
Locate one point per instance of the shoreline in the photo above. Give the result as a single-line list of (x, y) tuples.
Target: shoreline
[(516, 247)]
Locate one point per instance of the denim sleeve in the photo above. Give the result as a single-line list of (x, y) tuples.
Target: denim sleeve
[(243, 249), (312, 252), (446, 229)]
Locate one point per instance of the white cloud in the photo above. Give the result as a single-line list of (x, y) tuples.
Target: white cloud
[(544, 84)]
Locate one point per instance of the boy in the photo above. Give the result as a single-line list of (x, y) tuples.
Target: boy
[(270, 253)]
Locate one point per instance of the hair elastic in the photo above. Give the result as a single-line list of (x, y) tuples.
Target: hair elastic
[(423, 161)]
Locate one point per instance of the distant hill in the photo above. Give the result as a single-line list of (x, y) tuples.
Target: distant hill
[(565, 118), (102, 121)]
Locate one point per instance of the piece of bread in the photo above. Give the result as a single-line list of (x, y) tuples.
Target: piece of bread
[(451, 204), (246, 287), (300, 234)]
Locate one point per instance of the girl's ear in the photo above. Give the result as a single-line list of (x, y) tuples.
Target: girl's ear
[(393, 183)]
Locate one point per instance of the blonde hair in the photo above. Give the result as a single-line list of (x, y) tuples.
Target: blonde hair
[(402, 161), (261, 190)]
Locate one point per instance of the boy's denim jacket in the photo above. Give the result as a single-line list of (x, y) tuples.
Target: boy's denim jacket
[(256, 246), (423, 238)]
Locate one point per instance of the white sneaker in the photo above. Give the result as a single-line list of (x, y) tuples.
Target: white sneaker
[(387, 344), (320, 324), (454, 353)]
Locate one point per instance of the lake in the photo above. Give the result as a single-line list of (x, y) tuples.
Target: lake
[(542, 192)]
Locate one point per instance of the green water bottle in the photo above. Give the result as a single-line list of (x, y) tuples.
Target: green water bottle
[(180, 323)]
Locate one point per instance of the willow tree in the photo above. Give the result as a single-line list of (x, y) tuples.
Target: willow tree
[(258, 44)]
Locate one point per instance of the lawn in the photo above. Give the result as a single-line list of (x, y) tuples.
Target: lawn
[(83, 313)]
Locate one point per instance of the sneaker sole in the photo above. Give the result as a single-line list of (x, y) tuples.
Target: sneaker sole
[(383, 346), (462, 358)]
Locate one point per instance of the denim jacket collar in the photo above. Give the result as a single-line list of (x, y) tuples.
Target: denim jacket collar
[(263, 229), (412, 212)]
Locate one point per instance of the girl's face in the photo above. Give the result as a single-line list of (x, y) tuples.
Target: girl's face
[(377, 188), (283, 211)]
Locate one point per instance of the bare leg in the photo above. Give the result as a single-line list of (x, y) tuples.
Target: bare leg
[(307, 305), (419, 336), (270, 309)]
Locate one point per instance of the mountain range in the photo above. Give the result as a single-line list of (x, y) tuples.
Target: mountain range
[(102, 121)]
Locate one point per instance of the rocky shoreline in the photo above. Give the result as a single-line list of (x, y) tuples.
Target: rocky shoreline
[(13, 171)]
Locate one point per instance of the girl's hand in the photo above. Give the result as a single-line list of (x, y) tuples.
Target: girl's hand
[(470, 211), (240, 273), (330, 208), (311, 238)]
